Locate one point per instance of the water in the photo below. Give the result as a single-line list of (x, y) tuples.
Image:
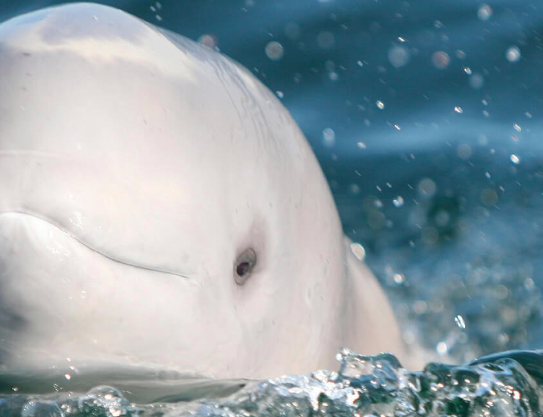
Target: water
[(369, 386), (425, 116)]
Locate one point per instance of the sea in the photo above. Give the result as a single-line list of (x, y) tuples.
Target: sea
[(425, 117)]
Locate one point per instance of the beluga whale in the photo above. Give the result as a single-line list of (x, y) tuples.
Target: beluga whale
[(159, 207)]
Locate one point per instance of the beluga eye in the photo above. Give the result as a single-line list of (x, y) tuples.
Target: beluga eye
[(244, 266)]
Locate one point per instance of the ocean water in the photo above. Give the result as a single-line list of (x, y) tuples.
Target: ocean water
[(425, 116)]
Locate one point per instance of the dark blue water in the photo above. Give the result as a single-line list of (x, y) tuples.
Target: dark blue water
[(425, 116)]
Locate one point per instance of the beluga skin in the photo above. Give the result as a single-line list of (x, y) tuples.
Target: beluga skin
[(159, 207)]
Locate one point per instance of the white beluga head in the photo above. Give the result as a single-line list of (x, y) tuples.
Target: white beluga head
[(160, 207)]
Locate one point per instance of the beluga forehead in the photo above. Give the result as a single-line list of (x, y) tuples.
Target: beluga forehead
[(98, 34)]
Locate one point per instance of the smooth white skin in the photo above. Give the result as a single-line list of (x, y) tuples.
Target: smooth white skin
[(135, 167)]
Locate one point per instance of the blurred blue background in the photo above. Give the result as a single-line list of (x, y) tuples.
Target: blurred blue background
[(425, 116)]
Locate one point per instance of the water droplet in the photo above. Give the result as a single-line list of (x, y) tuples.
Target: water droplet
[(326, 40), (399, 278), (380, 105), (476, 81), (427, 187), (358, 251), (208, 40), (398, 201), (354, 189), (274, 50), (442, 348), (517, 127), (361, 145), (292, 30), (488, 196), (460, 321), (328, 137), (398, 56), (280, 94), (515, 159), (441, 60), (464, 151), (458, 109), (513, 54), (67, 376), (467, 70), (484, 12)]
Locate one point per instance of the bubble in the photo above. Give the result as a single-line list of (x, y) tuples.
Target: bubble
[(515, 159), (398, 56), (441, 60), (280, 94), (328, 137), (208, 40), (517, 127), (458, 110), (274, 51), (476, 81), (485, 12), (326, 40), (380, 105), (513, 54)]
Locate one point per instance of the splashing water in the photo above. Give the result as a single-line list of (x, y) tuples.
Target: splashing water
[(500, 385)]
